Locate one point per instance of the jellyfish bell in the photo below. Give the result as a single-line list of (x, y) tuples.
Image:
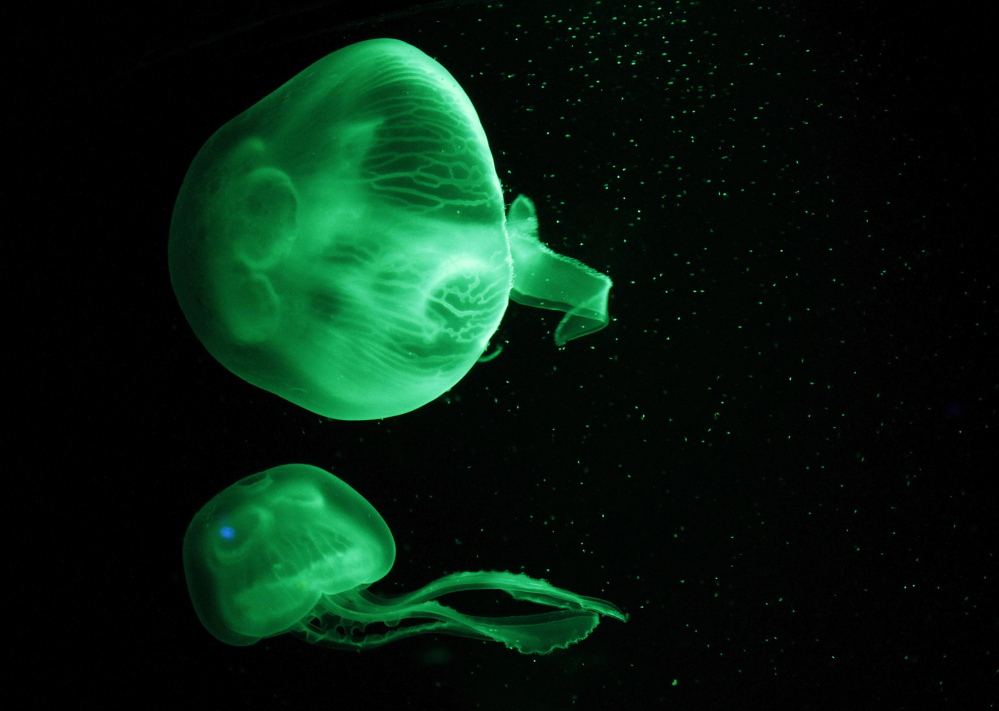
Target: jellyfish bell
[(294, 549), (343, 242), (261, 553)]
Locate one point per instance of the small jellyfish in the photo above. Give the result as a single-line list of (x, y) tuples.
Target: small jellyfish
[(294, 549), (343, 243)]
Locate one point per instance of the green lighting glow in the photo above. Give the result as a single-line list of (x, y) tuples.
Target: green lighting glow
[(343, 244), (294, 549)]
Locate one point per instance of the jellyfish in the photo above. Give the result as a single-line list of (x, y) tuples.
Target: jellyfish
[(342, 243), (294, 549)]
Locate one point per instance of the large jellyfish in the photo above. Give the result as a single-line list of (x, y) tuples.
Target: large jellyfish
[(342, 243)]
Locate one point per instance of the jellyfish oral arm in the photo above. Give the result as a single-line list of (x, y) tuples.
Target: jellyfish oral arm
[(517, 585), (340, 620), (546, 280), (528, 634)]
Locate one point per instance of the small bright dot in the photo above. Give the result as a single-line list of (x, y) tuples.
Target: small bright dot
[(227, 532)]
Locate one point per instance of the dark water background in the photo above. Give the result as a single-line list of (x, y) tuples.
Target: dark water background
[(778, 459)]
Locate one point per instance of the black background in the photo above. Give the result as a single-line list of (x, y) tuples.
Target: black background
[(778, 458)]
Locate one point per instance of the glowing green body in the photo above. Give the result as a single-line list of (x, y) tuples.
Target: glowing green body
[(294, 548), (342, 243)]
